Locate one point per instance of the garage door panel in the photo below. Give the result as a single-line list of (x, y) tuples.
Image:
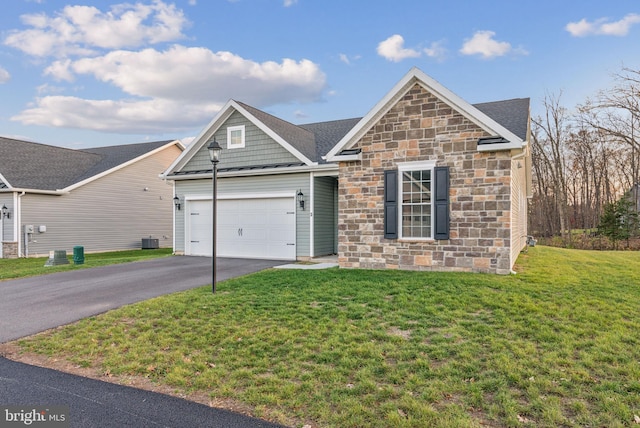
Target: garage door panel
[(200, 233), (249, 228)]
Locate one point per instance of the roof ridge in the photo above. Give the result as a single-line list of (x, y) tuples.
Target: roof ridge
[(43, 144), (279, 119), (329, 121), (501, 101), (127, 145)]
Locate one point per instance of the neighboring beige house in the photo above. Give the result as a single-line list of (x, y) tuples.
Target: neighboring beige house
[(425, 181), (103, 199)]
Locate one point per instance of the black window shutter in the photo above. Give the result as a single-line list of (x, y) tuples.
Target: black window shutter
[(391, 204), (441, 200)]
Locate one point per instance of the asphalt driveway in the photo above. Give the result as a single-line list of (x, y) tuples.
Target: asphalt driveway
[(32, 305), (95, 404)]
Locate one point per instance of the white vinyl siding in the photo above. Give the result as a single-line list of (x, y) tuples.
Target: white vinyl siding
[(518, 208), (113, 212)]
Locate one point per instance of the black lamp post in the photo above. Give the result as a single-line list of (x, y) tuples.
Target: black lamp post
[(4, 213), (214, 154)]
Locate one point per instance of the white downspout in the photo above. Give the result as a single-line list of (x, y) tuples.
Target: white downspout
[(17, 203), (311, 228)]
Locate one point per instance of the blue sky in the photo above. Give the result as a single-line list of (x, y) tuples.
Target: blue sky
[(95, 73)]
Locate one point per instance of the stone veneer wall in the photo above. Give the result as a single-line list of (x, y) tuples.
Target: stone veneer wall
[(421, 127), (9, 250)]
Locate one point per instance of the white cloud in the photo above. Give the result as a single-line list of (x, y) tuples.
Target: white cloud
[(176, 88), (299, 114), (393, 49), (602, 27), (80, 30), (482, 43), (436, 51), (198, 74), (288, 3), (123, 116), (4, 76), (347, 59)]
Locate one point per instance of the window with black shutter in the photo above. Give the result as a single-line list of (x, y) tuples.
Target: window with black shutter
[(416, 202)]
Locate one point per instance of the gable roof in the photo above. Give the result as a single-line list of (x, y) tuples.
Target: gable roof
[(316, 143), (509, 140), (309, 143), (32, 166)]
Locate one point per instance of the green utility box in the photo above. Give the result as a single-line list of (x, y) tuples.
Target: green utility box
[(78, 255)]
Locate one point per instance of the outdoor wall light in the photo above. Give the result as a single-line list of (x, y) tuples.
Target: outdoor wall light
[(300, 196), (5, 212), (176, 202)]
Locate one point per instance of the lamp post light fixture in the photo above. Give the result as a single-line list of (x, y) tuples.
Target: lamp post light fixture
[(214, 155), (4, 213), (300, 197), (176, 202)]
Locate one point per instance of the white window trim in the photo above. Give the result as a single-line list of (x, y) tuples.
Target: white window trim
[(230, 130), (413, 166)]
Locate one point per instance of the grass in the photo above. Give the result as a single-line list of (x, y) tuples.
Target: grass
[(24, 267), (555, 345)]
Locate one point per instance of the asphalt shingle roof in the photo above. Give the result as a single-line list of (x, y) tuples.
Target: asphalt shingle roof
[(301, 139), (315, 140), (28, 165), (512, 114), (327, 134)]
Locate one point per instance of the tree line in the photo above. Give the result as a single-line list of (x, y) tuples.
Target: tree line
[(586, 164)]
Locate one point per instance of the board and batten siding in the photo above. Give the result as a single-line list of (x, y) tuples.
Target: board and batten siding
[(518, 208), (324, 215), (113, 212), (260, 149), (251, 186)]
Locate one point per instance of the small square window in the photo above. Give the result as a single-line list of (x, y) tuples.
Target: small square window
[(235, 137)]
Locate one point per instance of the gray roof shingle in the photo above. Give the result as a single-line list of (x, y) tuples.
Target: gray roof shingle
[(512, 114), (301, 139), (28, 165), (315, 140)]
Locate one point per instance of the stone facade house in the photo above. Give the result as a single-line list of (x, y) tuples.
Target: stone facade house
[(424, 181), (430, 182)]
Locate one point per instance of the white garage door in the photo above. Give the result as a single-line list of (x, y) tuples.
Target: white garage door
[(261, 228)]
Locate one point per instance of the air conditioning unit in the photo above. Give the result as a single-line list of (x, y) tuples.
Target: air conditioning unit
[(150, 243)]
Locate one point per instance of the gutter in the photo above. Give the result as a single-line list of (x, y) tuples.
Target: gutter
[(249, 173)]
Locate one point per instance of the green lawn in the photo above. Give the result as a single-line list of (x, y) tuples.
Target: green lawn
[(23, 267), (555, 345)]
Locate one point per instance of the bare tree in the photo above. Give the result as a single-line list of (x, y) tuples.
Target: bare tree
[(550, 138), (616, 112)]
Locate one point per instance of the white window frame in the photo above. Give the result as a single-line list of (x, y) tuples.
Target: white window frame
[(230, 131), (415, 166)]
